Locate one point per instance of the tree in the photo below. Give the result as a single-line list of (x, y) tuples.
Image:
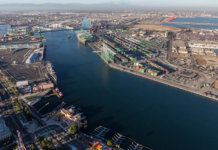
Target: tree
[(27, 113), (32, 147), (46, 144), (73, 129), (3, 92), (80, 126), (15, 147), (109, 143), (60, 116), (117, 146)]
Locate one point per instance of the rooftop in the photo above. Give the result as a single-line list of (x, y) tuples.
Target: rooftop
[(4, 130)]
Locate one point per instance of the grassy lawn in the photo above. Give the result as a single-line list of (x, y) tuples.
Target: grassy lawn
[(31, 97)]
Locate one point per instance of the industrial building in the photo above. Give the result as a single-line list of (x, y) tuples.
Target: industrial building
[(24, 30), (203, 47), (22, 83), (179, 46), (107, 53), (43, 86), (4, 130), (33, 58), (71, 116)]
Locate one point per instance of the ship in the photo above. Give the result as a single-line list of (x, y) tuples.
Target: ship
[(68, 36), (51, 72), (81, 39), (171, 18), (84, 37)]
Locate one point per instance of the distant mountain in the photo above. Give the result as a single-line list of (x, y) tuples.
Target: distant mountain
[(100, 7), (69, 6)]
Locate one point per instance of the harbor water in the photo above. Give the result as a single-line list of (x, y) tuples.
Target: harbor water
[(155, 115), (195, 20)]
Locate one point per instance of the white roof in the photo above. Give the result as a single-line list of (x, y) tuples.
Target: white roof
[(22, 83)]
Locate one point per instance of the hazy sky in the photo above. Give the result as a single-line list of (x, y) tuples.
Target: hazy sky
[(137, 2)]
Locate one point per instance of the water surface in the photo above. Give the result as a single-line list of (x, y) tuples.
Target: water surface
[(153, 114), (195, 20)]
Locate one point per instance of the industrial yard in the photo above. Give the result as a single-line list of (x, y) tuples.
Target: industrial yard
[(13, 62), (162, 55)]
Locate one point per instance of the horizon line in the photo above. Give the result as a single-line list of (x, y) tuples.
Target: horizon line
[(113, 3)]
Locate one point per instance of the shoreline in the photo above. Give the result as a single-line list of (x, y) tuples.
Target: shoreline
[(193, 23), (167, 83)]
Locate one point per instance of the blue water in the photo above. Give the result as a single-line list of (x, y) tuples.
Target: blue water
[(195, 20), (4, 29), (156, 115)]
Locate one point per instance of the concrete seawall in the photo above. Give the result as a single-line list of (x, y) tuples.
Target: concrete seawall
[(168, 83), (163, 82)]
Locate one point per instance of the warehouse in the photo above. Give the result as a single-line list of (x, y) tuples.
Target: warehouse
[(33, 58), (4, 130)]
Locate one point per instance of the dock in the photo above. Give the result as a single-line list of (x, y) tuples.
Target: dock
[(162, 81)]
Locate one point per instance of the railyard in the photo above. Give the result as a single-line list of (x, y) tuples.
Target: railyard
[(156, 59)]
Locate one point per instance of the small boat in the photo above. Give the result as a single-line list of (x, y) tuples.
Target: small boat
[(68, 36)]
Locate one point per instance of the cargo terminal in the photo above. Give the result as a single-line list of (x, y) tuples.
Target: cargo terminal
[(127, 53)]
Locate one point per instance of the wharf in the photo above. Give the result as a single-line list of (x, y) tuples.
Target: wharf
[(168, 83), (57, 94)]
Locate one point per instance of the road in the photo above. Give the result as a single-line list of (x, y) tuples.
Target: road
[(169, 50), (190, 54)]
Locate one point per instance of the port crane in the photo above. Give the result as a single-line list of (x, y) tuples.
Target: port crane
[(40, 33)]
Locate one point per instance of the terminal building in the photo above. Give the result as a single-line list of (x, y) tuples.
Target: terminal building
[(22, 83), (107, 53), (71, 115), (33, 58), (25, 30), (43, 87)]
